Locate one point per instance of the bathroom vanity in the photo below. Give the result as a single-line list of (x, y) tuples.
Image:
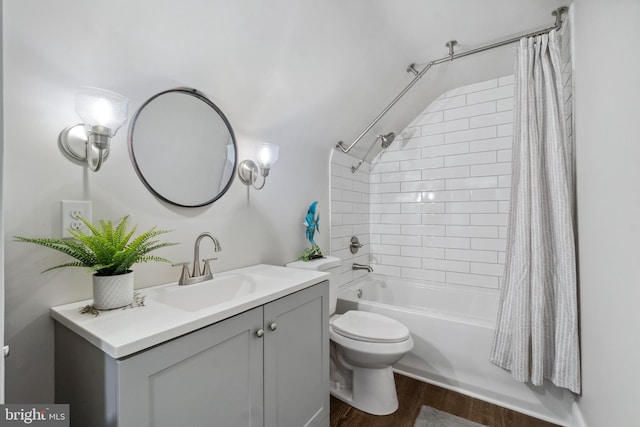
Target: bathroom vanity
[(248, 348)]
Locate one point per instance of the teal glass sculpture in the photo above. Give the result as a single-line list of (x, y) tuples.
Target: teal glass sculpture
[(312, 221)]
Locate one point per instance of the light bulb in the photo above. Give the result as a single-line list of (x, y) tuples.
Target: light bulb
[(266, 155)]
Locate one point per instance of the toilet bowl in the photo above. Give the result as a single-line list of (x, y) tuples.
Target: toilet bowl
[(364, 345)]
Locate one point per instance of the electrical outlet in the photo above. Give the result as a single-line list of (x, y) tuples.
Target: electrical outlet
[(71, 210)]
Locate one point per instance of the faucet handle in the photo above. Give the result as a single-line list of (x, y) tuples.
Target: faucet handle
[(184, 274), (206, 270)]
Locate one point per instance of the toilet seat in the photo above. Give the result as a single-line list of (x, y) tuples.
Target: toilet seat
[(369, 327)]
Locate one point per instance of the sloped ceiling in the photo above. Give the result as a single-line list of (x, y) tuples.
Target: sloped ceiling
[(301, 73)]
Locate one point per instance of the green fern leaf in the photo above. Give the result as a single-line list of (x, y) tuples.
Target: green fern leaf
[(107, 250)]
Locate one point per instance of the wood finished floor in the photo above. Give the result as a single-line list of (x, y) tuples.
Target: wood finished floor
[(412, 394)]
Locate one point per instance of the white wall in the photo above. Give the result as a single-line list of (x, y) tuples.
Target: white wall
[(350, 207), (607, 151)]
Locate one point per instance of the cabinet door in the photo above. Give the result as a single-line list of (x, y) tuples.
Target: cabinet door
[(296, 358), (211, 377)]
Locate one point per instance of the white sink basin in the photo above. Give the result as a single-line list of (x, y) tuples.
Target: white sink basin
[(199, 296)]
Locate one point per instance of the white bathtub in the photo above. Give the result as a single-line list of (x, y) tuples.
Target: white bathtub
[(452, 328)]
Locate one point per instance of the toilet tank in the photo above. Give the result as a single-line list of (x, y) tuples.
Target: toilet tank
[(329, 264)]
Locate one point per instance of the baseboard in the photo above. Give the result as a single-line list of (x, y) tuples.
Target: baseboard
[(460, 390)]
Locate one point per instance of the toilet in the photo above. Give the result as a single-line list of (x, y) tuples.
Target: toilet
[(364, 345)]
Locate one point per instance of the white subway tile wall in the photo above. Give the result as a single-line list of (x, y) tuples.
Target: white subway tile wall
[(460, 223), (437, 203), (437, 198), (351, 211)]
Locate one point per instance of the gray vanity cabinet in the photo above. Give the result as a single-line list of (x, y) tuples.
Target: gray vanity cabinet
[(268, 366), (210, 377), (296, 359)]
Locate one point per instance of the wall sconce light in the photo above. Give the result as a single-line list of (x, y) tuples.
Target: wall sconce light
[(266, 156), (102, 112)]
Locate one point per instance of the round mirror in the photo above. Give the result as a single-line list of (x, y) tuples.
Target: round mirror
[(183, 148)]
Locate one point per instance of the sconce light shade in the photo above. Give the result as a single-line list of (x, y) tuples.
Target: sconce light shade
[(100, 107), (266, 156), (103, 112)]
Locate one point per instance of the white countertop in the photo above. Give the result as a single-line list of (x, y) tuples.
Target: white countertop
[(122, 332)]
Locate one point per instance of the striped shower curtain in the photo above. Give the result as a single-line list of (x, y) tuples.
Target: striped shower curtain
[(536, 333)]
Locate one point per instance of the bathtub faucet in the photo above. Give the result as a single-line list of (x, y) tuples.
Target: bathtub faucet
[(357, 266)]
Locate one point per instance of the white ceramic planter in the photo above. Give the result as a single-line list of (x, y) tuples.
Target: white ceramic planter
[(111, 292)]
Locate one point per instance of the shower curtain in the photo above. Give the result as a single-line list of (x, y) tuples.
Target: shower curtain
[(536, 333)]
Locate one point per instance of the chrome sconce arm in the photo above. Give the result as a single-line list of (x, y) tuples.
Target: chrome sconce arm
[(248, 170), (248, 173), (91, 149), (103, 112)]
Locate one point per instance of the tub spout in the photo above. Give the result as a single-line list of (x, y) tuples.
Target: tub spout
[(357, 266)]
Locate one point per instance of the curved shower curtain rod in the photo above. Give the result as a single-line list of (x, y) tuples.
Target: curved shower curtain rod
[(418, 74)]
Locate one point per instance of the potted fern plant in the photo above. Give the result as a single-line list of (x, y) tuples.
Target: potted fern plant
[(110, 252)]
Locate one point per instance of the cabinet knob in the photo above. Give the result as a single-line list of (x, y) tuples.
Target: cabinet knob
[(273, 326), (260, 333)]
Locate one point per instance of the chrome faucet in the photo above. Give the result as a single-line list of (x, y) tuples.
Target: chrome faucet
[(197, 275), (357, 266)]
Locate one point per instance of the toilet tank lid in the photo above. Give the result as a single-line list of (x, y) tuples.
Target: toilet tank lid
[(318, 264)]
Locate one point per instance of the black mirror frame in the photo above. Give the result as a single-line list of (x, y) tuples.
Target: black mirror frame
[(199, 95)]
